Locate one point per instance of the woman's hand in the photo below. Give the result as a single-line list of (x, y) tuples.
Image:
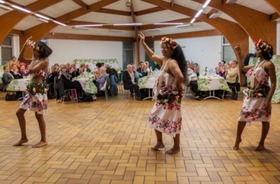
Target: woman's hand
[(141, 36), (267, 105), (237, 48)]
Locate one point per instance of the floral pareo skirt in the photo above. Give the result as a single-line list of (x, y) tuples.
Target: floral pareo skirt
[(252, 109), (37, 103), (166, 118)]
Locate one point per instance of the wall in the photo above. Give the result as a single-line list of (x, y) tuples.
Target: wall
[(68, 50), (206, 51)]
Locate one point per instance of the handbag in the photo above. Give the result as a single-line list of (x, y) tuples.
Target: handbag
[(11, 97)]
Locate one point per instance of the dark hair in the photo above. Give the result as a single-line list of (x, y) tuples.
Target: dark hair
[(267, 55), (44, 50), (179, 56), (98, 65)]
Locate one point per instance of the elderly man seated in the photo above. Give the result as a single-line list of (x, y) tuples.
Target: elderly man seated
[(130, 81), (100, 80)]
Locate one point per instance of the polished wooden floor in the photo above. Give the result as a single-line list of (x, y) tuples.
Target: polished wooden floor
[(110, 141)]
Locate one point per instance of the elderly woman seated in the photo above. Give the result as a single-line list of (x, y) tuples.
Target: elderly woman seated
[(130, 81), (100, 80)]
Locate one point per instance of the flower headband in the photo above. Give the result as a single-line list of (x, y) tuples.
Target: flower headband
[(33, 45), (169, 42), (263, 45)]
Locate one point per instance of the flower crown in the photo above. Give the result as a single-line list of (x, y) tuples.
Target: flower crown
[(169, 42), (263, 45), (33, 45)]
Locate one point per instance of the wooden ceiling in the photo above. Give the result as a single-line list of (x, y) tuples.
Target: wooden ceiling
[(236, 20)]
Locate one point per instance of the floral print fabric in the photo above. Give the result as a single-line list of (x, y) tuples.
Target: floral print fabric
[(165, 115), (37, 102), (252, 108)]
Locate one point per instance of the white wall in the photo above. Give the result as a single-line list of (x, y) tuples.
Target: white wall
[(206, 51), (68, 50)]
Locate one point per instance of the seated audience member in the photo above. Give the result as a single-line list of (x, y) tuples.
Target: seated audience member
[(101, 79), (147, 67), (113, 77), (192, 78), (142, 69), (15, 72), (87, 69), (130, 81), (196, 69), (69, 84), (220, 69), (52, 74), (232, 77), (23, 71), (14, 61), (79, 71), (7, 76)]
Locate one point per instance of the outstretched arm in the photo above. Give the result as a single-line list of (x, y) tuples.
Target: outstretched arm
[(242, 68), (21, 55), (156, 58)]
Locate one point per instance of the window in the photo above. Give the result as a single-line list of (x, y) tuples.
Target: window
[(7, 50), (127, 54), (228, 53)]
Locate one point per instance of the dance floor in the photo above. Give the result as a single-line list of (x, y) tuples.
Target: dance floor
[(110, 141)]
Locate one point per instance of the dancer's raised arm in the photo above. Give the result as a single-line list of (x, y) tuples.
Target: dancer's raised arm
[(156, 58)]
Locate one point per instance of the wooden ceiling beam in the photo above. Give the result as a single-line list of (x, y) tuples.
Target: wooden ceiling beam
[(12, 18), (255, 23), (275, 4), (232, 31), (274, 16), (38, 32), (86, 37), (152, 26), (82, 4), (148, 11), (114, 12), (109, 26)]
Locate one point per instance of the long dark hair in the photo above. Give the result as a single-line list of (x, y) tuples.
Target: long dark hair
[(44, 50), (179, 56)]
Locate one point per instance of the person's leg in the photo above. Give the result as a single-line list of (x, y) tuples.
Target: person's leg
[(42, 127), (176, 147), (240, 128), (159, 144), (22, 126), (265, 129)]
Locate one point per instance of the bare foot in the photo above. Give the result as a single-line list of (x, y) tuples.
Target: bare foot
[(173, 151), (20, 142), (40, 144), (236, 146), (260, 147), (158, 146)]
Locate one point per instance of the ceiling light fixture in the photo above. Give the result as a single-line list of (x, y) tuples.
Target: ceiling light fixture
[(89, 25), (128, 24), (168, 23), (206, 4), (2, 1), (184, 25), (5, 7), (20, 8), (198, 13), (41, 16), (60, 23), (192, 21)]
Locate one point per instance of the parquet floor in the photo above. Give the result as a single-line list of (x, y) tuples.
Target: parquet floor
[(109, 143)]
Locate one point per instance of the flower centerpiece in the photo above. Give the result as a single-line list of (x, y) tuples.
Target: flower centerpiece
[(33, 88)]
